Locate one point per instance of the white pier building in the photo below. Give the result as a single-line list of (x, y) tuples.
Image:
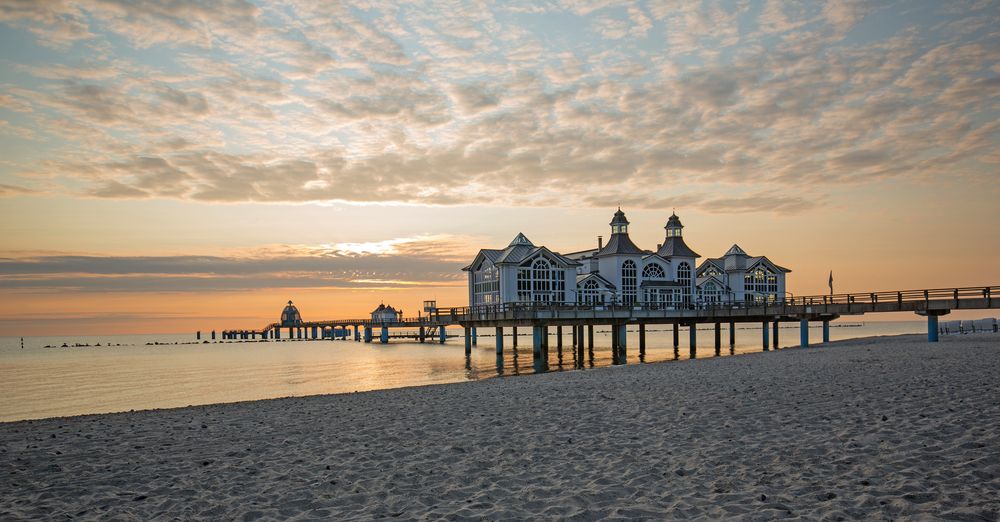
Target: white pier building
[(620, 272)]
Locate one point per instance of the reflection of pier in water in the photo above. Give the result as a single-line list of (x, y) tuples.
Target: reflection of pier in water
[(581, 321)]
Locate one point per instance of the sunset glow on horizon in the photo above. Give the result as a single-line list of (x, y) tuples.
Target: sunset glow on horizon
[(183, 167)]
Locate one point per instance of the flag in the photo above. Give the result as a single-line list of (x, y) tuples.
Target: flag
[(831, 282)]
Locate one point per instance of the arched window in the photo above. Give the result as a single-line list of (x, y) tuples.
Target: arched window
[(653, 271), (590, 293), (684, 279), (629, 274), (541, 282), (760, 285)]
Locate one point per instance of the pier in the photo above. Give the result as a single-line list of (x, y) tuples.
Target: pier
[(581, 320)]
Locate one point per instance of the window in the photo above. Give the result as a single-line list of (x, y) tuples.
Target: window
[(684, 278), (653, 271), (628, 282), (541, 283), (486, 284), (590, 293), (760, 285), (709, 293)]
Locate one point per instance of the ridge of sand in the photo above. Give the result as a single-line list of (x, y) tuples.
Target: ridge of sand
[(866, 428)]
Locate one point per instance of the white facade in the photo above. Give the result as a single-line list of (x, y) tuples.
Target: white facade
[(386, 314), (737, 277), (619, 272)]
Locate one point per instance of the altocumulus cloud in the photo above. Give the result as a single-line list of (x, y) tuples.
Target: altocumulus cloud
[(717, 105)]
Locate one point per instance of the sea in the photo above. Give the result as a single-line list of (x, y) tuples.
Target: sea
[(77, 375)]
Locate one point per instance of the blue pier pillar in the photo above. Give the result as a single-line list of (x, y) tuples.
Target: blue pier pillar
[(443, 334), (932, 328), (277, 333), (384, 335), (468, 340), (315, 332), (766, 328), (475, 336), (804, 333), (357, 333), (540, 353), (499, 341), (826, 331), (536, 341), (422, 334), (368, 334)]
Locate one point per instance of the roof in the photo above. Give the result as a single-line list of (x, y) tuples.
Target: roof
[(751, 261), (517, 251), (384, 308), (619, 218), (620, 244), (735, 250), (674, 221), (675, 246), (581, 278)]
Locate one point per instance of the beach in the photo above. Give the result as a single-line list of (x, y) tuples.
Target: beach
[(878, 428)]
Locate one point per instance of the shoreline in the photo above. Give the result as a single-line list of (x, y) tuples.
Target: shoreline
[(887, 427), (493, 376)]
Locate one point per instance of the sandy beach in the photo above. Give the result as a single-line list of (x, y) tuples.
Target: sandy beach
[(877, 429)]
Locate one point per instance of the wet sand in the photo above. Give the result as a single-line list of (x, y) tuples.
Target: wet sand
[(868, 428)]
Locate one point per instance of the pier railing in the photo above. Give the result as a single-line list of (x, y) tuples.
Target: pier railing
[(844, 303)]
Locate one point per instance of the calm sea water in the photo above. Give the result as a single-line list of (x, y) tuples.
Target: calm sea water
[(127, 373)]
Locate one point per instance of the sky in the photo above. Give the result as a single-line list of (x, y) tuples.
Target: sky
[(186, 165)]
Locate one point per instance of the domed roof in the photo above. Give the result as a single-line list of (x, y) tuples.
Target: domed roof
[(619, 218), (290, 316), (674, 221)]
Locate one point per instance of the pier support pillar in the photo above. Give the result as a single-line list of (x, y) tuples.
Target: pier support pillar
[(804, 333), (575, 330), (622, 336), (442, 334), (540, 348), (475, 336), (357, 334), (774, 338), (277, 333), (693, 338), (368, 334), (499, 339), (468, 340), (579, 345), (590, 337), (932, 328), (732, 334), (213, 335), (642, 341), (513, 336), (384, 335), (677, 335), (718, 338), (198, 335), (315, 332), (559, 340), (765, 327), (826, 331)]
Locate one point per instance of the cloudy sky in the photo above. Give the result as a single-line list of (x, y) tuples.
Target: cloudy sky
[(168, 166)]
